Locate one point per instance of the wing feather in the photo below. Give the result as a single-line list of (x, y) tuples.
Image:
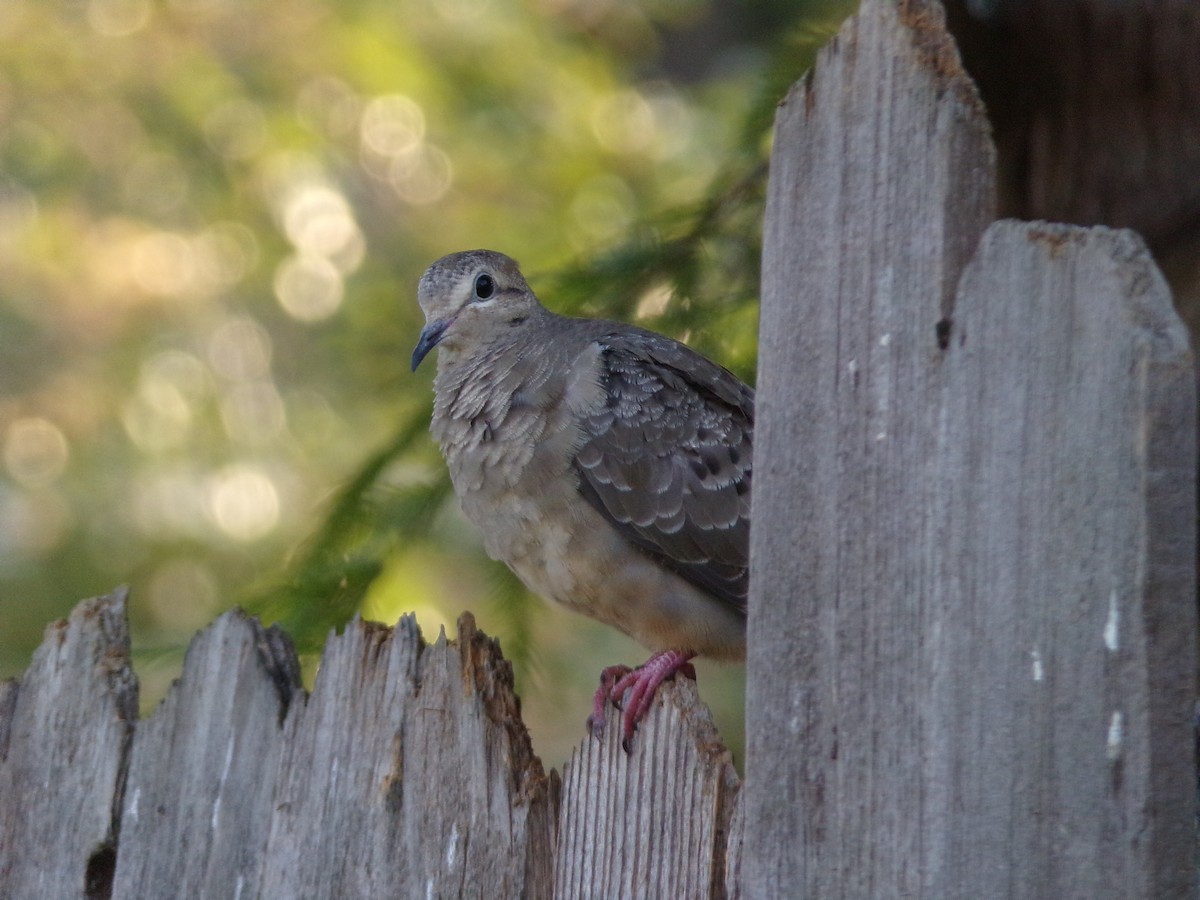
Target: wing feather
[(667, 459)]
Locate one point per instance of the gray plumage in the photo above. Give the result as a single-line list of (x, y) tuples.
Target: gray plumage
[(608, 466)]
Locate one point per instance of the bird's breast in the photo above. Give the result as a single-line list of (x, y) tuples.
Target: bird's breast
[(510, 432), (514, 483)]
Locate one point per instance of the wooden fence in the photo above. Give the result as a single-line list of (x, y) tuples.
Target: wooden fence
[(973, 612)]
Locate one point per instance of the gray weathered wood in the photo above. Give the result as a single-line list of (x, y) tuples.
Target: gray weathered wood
[(972, 612), (733, 850), (406, 773), (1062, 618), (409, 774), (654, 822), (8, 706), (881, 184), (203, 768), (64, 731)]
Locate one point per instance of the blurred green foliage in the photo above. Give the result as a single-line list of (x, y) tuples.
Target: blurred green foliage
[(212, 218)]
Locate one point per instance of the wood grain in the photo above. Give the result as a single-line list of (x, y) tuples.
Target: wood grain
[(409, 774), (653, 822), (64, 734), (200, 794), (881, 184), (1062, 619), (972, 620)]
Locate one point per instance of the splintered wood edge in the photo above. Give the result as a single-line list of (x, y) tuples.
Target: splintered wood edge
[(483, 663), (677, 756), (484, 670), (924, 23), (72, 715), (490, 675), (484, 667), (402, 713), (107, 617)]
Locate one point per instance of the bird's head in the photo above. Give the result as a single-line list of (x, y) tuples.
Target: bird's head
[(468, 299)]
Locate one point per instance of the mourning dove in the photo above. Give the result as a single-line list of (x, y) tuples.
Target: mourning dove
[(606, 465)]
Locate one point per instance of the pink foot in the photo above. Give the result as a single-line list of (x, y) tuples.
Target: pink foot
[(642, 683), (608, 678)]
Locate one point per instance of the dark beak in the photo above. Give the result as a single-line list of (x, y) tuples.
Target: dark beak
[(431, 334)]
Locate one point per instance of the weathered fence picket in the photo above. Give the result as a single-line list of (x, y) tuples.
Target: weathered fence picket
[(972, 612), (406, 773), (881, 185), (64, 738), (972, 648)]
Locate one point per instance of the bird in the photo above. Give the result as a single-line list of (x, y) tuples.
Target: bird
[(607, 465)]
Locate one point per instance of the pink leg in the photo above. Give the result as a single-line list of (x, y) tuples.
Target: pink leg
[(642, 683), (604, 693)]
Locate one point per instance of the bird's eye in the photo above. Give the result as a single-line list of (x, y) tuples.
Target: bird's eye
[(485, 286)]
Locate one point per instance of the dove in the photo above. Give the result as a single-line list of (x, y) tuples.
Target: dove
[(608, 466)]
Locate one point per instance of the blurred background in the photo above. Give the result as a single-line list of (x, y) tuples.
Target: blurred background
[(212, 218)]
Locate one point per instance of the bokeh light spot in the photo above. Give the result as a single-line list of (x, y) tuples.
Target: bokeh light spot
[(244, 502), (318, 220), (35, 451), (329, 104), (159, 416), (240, 349), (623, 122), (392, 125), (179, 369), (163, 264), (674, 122), (654, 301), (32, 524), (422, 176), (225, 254), (308, 287)]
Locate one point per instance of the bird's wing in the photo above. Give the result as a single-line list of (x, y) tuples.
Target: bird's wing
[(667, 459)]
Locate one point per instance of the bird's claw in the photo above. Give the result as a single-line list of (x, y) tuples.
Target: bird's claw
[(604, 694), (642, 684)]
